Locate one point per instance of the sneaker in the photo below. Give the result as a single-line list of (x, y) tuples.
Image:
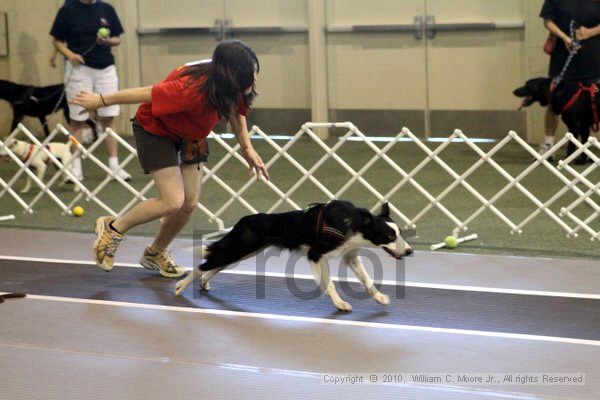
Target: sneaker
[(544, 147), (106, 243), (122, 174), (162, 262)]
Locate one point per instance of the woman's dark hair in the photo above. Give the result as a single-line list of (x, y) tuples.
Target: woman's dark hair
[(228, 75)]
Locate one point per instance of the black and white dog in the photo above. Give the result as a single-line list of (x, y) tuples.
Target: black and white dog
[(34, 101), (577, 102), (322, 231)]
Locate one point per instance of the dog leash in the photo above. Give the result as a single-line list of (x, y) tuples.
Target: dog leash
[(572, 52), (64, 90)]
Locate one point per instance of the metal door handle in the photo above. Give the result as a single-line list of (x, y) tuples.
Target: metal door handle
[(416, 28), (220, 28), (431, 27)]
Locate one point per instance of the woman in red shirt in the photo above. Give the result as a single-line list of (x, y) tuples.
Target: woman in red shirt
[(170, 130)]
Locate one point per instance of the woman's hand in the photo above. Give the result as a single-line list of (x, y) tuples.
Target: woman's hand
[(570, 45), (109, 41), (89, 101), (584, 33), (255, 162), (103, 41), (76, 59), (52, 59)]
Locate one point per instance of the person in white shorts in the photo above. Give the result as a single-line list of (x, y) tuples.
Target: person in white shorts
[(77, 34)]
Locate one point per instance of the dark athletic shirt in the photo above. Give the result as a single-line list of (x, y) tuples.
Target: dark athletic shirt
[(77, 24), (586, 64)]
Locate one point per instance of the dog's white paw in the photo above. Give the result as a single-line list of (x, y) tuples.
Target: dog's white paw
[(179, 288), (343, 306), (382, 298), (182, 284), (23, 191), (205, 285)]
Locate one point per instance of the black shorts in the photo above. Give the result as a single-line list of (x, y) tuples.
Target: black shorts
[(156, 152)]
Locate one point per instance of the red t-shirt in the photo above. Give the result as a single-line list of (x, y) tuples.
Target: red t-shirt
[(178, 109)]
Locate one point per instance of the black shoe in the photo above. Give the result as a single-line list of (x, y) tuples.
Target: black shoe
[(582, 160)]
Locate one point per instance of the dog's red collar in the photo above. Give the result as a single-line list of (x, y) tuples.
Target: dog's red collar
[(30, 151), (322, 228), (592, 90)]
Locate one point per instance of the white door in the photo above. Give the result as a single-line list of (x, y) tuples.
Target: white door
[(458, 73), (475, 58), (277, 30), (376, 64), (173, 35)]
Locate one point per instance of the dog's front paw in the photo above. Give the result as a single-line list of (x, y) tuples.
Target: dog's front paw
[(382, 298), (179, 287), (182, 284), (343, 306), (205, 285), (24, 190)]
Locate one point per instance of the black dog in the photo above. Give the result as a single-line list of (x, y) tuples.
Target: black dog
[(577, 102), (337, 228), (33, 101)]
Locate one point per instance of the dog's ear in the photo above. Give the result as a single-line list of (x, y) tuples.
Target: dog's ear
[(385, 210)]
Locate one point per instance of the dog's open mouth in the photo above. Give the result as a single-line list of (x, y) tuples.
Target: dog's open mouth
[(392, 253)]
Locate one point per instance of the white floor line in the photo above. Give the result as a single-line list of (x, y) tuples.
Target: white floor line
[(591, 296), (294, 318)]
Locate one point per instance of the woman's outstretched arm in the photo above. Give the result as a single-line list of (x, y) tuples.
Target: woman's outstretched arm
[(93, 101)]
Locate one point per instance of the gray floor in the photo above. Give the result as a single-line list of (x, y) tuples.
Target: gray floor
[(63, 348), (554, 275)]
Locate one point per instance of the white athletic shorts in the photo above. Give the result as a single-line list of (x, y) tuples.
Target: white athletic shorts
[(85, 79)]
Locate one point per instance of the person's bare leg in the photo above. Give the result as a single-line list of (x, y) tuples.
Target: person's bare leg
[(170, 200), (111, 143), (171, 225), (76, 128), (550, 125)]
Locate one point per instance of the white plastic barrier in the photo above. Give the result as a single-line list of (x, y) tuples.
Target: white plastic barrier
[(563, 214)]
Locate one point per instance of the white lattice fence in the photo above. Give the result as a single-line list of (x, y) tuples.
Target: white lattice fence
[(560, 208)]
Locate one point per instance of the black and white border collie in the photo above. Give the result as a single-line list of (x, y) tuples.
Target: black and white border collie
[(322, 231)]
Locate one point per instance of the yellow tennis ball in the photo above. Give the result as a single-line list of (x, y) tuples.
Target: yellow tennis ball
[(451, 242), (103, 32), (78, 211)]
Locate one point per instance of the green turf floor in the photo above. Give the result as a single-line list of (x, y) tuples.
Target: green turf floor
[(541, 237)]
